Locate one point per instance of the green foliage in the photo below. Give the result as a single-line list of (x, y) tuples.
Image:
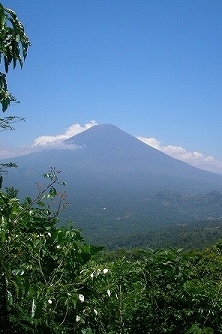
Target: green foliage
[(51, 281), (13, 49), (40, 265), (154, 292), (196, 329), (190, 235), (4, 170)]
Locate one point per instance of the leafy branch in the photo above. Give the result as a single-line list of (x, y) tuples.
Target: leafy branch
[(14, 45), (6, 122), (48, 192)]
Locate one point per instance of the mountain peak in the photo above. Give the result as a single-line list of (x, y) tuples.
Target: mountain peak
[(102, 135), (107, 145), (105, 126), (114, 170)]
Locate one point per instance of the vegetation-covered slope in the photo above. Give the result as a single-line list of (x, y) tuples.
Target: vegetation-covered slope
[(54, 282)]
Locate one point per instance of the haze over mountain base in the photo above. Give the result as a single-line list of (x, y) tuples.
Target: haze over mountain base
[(119, 185)]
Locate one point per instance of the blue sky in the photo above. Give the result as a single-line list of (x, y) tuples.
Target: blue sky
[(151, 67)]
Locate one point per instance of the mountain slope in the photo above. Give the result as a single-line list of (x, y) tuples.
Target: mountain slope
[(112, 151), (117, 184)]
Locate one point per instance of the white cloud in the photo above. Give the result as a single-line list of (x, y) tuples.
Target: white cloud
[(44, 142), (57, 141), (195, 159)]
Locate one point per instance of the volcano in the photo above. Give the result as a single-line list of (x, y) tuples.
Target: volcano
[(116, 182)]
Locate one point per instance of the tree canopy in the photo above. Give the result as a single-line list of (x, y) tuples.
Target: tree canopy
[(14, 45)]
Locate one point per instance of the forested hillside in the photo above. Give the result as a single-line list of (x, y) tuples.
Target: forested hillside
[(57, 283), (190, 235)]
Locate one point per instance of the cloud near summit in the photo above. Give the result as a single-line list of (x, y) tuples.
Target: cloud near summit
[(57, 141), (44, 142), (195, 158)]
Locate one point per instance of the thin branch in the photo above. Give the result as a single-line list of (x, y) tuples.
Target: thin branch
[(5, 123)]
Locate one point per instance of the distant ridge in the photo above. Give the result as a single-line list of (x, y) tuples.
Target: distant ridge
[(117, 183)]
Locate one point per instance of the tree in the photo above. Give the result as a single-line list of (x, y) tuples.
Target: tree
[(13, 49), (41, 289)]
